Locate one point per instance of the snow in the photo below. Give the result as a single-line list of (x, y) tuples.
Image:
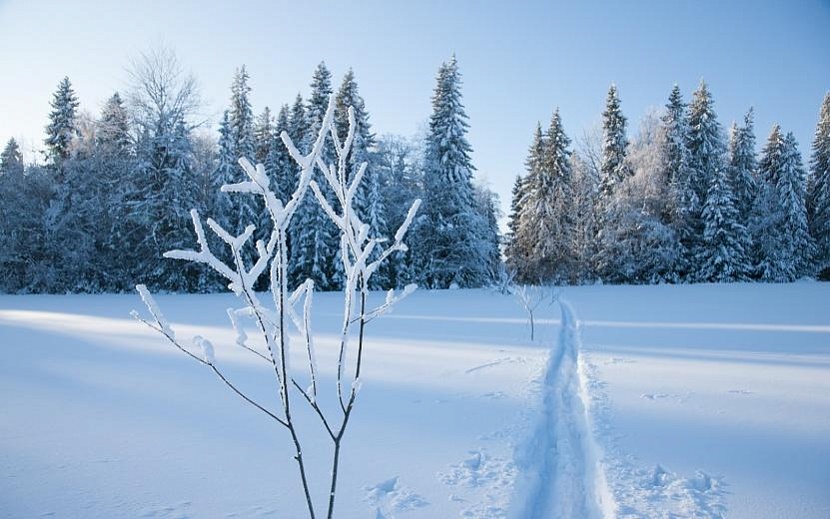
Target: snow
[(661, 401)]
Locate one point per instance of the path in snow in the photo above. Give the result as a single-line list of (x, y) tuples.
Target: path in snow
[(560, 470)]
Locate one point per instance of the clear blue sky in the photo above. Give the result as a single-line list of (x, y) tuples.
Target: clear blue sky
[(520, 60)]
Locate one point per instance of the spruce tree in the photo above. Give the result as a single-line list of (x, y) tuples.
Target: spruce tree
[(364, 142), (707, 150), (113, 132), (11, 160), (62, 127), (315, 251), (724, 255), (516, 250), (613, 170), (783, 247), (263, 136), (818, 196), (683, 202), (743, 166), (245, 209), (226, 173), (451, 234), (546, 221)]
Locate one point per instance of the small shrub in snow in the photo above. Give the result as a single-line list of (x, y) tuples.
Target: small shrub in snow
[(361, 254)]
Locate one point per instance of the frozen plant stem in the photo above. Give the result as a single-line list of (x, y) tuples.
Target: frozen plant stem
[(361, 254)]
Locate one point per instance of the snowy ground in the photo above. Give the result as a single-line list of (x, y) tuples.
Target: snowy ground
[(690, 401)]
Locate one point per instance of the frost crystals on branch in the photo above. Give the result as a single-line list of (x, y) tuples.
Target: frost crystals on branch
[(361, 253)]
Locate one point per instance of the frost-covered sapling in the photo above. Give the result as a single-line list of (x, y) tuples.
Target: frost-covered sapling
[(531, 297), (361, 253)]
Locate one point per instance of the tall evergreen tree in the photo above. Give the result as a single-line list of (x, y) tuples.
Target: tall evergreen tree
[(226, 173), (546, 222), (450, 233), (818, 196), (515, 251), (62, 127), (743, 166), (245, 209), (613, 170), (314, 246), (263, 136), (783, 246), (683, 202), (11, 160), (364, 142), (707, 150), (113, 132), (725, 252)]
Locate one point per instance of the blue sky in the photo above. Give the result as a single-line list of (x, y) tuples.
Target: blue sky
[(520, 60)]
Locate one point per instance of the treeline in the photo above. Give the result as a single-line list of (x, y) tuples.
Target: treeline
[(115, 191), (682, 202)]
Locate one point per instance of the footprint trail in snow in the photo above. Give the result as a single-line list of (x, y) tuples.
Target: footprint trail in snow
[(560, 471)]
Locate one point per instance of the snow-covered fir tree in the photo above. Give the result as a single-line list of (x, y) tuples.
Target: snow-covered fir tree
[(707, 156), (682, 201), (278, 163), (783, 248), (62, 123), (225, 173), (515, 246), (11, 160), (743, 166), (399, 169), (241, 123), (113, 128), (263, 136), (545, 224), (818, 195), (725, 253), (450, 232), (314, 245), (614, 171), (364, 143)]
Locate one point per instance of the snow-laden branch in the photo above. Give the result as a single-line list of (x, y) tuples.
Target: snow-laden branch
[(361, 253)]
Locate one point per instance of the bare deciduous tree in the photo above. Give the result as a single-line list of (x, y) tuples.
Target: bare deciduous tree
[(361, 253)]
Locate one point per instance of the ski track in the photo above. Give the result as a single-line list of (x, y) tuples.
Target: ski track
[(561, 474)]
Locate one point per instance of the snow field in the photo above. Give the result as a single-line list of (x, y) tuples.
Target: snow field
[(667, 401)]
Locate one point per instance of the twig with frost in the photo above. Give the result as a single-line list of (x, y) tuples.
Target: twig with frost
[(361, 254), (531, 297)]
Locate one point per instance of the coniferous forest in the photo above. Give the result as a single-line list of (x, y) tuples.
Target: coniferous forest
[(680, 200)]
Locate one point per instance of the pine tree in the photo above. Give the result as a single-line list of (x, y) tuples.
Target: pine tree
[(783, 246), (11, 160), (245, 209), (278, 163), (263, 136), (743, 166), (818, 196), (450, 232), (364, 142), (516, 250), (613, 170), (113, 132), (707, 151), (683, 202), (226, 173), (314, 246), (62, 123), (724, 255), (545, 224)]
